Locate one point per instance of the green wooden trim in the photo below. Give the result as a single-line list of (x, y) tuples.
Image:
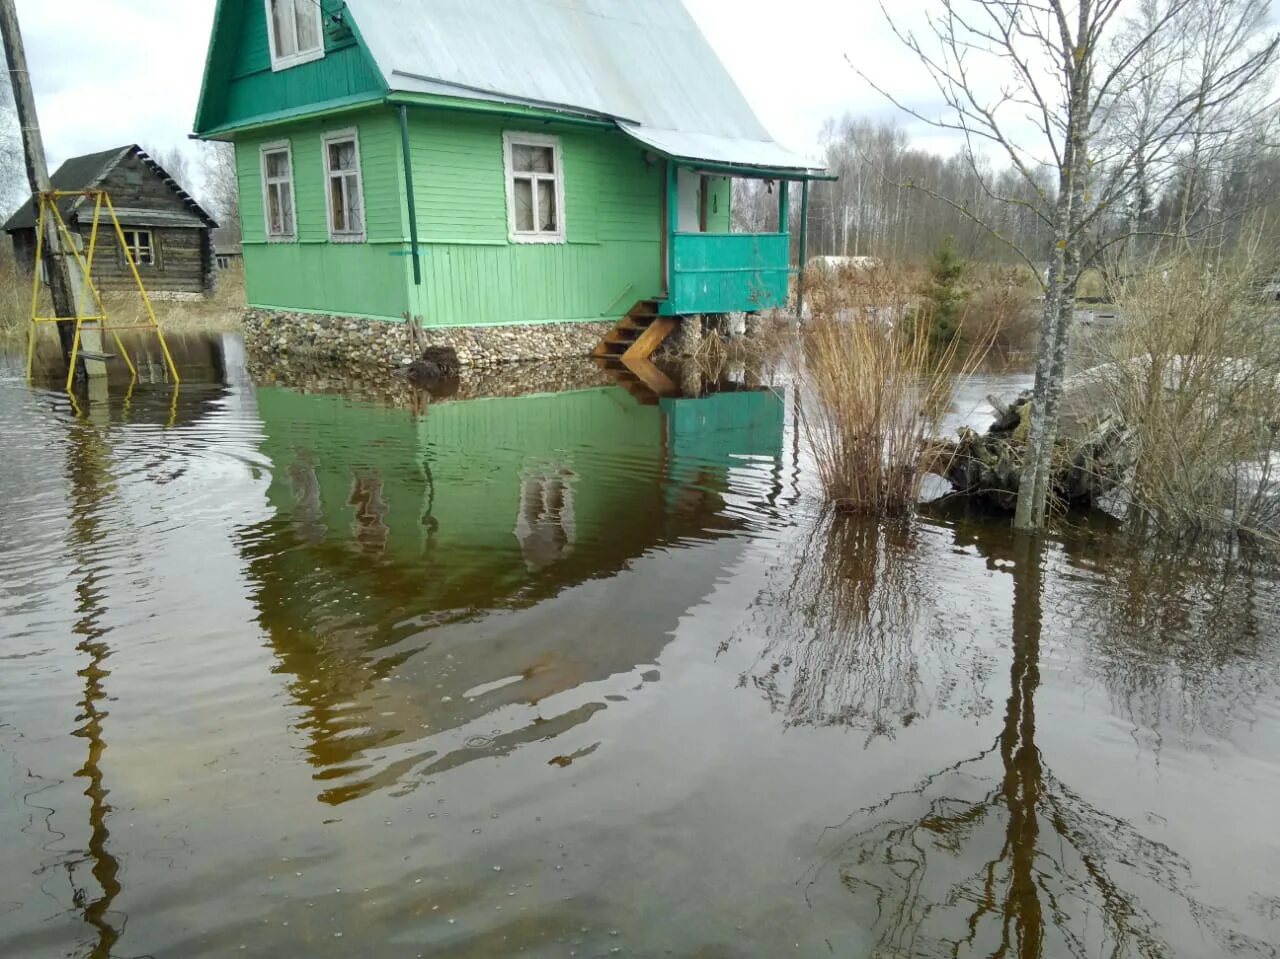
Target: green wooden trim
[(488, 107), (202, 104), (751, 172), (298, 114)]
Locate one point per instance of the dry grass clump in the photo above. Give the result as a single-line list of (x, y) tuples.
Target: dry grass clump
[(1194, 370), (874, 389), (219, 313), (15, 299)]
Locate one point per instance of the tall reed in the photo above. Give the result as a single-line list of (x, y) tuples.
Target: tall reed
[(874, 390)]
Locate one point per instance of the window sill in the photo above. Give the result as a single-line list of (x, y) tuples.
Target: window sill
[(346, 238), (542, 238), (288, 63), (282, 239)]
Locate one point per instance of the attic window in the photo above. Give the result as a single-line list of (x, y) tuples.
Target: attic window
[(535, 188), (296, 32)]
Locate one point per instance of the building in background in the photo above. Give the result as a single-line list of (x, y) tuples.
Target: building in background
[(227, 250), (169, 234)]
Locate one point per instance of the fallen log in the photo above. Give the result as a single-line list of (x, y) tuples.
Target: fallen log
[(988, 466)]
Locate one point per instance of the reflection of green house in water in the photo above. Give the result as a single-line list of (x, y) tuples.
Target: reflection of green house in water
[(391, 529)]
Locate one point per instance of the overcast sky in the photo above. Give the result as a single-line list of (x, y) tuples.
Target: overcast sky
[(107, 72)]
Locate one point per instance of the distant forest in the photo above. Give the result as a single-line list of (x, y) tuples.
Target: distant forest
[(898, 202)]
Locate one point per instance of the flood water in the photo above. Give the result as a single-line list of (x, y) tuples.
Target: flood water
[(284, 673)]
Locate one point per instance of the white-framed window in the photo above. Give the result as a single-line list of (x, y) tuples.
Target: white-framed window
[(344, 193), (295, 30), (141, 246), (277, 192), (535, 188)]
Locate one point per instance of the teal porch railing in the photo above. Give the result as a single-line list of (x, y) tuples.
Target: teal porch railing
[(728, 272)]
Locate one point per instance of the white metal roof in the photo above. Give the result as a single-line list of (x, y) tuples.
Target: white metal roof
[(643, 63)]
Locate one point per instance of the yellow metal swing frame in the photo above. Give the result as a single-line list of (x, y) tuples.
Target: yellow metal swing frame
[(49, 211)]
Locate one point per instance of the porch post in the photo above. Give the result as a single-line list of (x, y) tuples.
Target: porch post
[(673, 225), (804, 248), (784, 210)]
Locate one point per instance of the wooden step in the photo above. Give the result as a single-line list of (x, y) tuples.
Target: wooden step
[(652, 338), (634, 334)]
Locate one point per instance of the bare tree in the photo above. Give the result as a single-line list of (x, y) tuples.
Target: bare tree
[(221, 185), (174, 162), (1070, 69)]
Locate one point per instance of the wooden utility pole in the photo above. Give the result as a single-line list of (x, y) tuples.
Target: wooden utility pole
[(64, 276)]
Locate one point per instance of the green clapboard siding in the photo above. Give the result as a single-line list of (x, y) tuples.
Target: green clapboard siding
[(473, 275), (313, 274), (251, 89), (728, 273)]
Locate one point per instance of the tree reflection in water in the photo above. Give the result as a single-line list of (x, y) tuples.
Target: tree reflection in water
[(853, 635), (995, 856), (1185, 638)]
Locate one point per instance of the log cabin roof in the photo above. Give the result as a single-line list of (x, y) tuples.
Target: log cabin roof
[(643, 64), (89, 171)]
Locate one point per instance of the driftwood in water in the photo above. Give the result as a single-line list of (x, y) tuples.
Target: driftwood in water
[(988, 466)]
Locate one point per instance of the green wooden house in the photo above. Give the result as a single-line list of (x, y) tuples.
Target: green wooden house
[(490, 162)]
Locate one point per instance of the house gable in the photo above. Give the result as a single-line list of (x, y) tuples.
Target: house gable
[(241, 88), (143, 193)]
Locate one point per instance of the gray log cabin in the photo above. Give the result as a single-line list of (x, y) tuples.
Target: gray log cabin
[(170, 234)]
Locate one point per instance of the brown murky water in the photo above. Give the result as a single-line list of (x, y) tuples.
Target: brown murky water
[(283, 674)]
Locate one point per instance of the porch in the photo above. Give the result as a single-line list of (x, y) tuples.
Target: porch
[(711, 269)]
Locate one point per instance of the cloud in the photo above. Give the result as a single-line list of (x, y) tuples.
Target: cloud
[(110, 72)]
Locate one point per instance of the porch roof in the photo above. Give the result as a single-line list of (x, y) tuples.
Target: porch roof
[(643, 64)]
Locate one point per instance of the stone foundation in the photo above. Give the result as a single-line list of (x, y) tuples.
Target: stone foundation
[(389, 388), (373, 344)]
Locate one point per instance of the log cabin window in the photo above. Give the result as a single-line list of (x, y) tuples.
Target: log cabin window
[(141, 247), (277, 188), (295, 31), (535, 188), (344, 191)]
